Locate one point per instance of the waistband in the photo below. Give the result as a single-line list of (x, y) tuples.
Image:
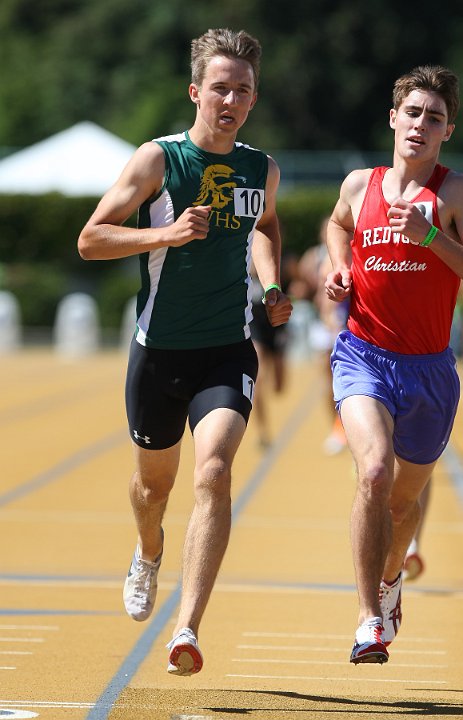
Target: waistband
[(351, 339)]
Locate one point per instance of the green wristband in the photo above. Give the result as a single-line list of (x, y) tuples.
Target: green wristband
[(430, 236), (274, 286)]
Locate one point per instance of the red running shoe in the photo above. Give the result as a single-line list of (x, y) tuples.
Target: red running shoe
[(369, 646), (185, 656)]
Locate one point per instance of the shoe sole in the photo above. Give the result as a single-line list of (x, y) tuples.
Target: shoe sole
[(184, 660), (375, 654), (374, 657), (142, 615)]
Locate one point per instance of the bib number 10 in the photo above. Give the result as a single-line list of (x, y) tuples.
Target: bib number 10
[(248, 202)]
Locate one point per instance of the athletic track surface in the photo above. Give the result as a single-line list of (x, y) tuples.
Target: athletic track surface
[(278, 631)]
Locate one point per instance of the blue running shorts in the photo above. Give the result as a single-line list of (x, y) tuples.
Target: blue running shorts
[(421, 392)]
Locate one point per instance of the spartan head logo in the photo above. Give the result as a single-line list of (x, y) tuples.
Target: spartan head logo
[(213, 191)]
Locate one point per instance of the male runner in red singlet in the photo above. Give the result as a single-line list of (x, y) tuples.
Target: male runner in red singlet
[(395, 242)]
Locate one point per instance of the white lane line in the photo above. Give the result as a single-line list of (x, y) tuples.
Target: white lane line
[(311, 648), (290, 647), (29, 627), (336, 679), (418, 651), (221, 586), (15, 652), (7, 667), (320, 636), (191, 717), (275, 589), (74, 582), (310, 636), (257, 521), (260, 521), (262, 661), (39, 516), (36, 582), (45, 704), (21, 640)]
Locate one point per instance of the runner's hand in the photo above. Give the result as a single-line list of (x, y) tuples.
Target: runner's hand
[(192, 224), (338, 284), (278, 307)]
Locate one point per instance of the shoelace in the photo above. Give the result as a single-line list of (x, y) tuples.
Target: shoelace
[(386, 593), (386, 589), (377, 632), (370, 632), (143, 577), (187, 634)]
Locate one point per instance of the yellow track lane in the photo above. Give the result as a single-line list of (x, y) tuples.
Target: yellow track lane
[(278, 631)]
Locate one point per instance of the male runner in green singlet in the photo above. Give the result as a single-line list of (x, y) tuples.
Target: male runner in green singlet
[(206, 205)]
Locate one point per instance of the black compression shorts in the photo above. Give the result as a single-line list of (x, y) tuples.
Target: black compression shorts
[(164, 387)]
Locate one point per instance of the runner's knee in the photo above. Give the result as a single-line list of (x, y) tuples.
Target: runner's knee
[(212, 479), (374, 482), (153, 490)]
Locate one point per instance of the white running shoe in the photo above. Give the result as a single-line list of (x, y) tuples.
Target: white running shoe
[(413, 567), (140, 586), (185, 657), (369, 646), (390, 597)]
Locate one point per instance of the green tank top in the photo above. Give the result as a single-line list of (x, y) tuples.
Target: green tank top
[(199, 295)]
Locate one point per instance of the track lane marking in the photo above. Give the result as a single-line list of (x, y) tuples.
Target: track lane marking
[(337, 679)]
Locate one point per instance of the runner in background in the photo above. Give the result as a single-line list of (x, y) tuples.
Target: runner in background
[(330, 319), (271, 345)]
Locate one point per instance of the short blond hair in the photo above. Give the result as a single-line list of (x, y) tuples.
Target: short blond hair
[(434, 78), (226, 42)]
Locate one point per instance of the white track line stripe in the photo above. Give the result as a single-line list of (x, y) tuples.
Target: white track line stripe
[(320, 636), (21, 640), (290, 647), (15, 652), (65, 582), (288, 661), (45, 704), (29, 627), (336, 679), (309, 648), (297, 635)]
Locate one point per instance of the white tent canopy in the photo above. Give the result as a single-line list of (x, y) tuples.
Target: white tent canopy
[(83, 160)]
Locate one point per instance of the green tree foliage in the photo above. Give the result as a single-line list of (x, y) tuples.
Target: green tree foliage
[(328, 67), (39, 262)]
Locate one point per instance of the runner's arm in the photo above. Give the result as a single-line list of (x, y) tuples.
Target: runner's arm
[(105, 238), (340, 232), (266, 251), (448, 246)]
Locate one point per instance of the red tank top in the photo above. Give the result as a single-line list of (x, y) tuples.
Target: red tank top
[(403, 295)]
